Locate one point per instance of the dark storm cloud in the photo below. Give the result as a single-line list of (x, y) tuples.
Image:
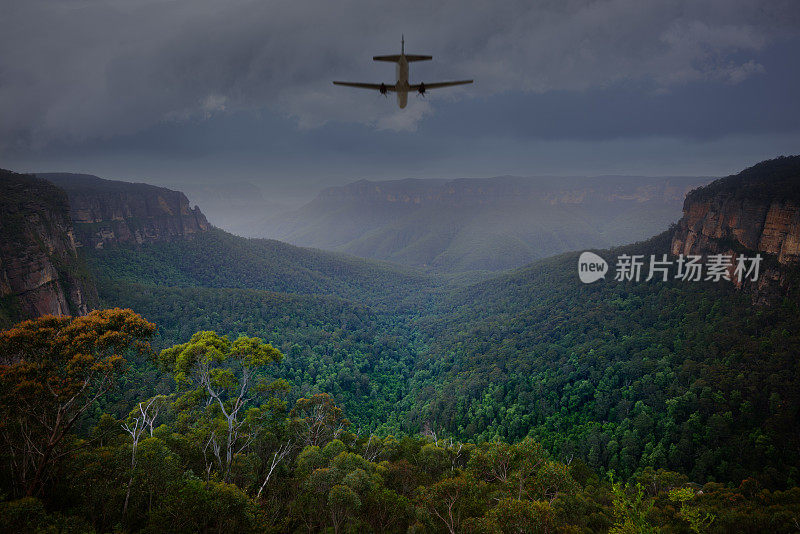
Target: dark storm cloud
[(90, 69)]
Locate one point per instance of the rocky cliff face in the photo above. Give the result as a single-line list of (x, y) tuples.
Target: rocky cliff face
[(105, 211), (757, 210), (771, 226), (40, 273)]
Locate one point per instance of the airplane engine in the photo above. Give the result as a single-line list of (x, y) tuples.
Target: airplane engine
[(421, 89), (382, 89)]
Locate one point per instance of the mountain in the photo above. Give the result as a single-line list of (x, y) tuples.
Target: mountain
[(40, 273), (109, 211), (484, 224), (140, 232), (342, 322), (333, 315), (505, 403)]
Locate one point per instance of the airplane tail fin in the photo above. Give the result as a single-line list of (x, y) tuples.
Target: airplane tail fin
[(396, 58)]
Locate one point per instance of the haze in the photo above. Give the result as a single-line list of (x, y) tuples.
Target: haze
[(199, 94)]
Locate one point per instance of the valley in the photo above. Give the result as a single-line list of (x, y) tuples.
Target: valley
[(624, 377)]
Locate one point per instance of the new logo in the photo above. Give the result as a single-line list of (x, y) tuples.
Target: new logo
[(591, 267)]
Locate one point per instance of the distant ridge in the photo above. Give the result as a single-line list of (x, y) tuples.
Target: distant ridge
[(483, 224)]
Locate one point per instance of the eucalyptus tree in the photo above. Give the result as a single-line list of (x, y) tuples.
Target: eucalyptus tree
[(221, 383)]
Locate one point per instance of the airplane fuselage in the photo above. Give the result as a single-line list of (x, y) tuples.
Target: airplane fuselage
[(402, 85)]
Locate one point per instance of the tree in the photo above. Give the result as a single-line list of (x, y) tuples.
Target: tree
[(317, 420), (226, 374), (52, 370), (142, 417), (453, 500), (193, 505), (494, 461), (516, 516), (529, 459), (697, 520), (343, 502), (630, 512)]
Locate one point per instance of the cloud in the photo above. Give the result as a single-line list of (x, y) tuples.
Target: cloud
[(78, 69)]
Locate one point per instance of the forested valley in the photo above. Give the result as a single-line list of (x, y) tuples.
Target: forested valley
[(234, 385)]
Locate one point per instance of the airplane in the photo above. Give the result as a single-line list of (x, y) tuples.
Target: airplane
[(402, 87)]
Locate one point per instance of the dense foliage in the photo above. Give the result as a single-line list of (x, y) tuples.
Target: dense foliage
[(362, 357), (624, 376), (219, 259), (223, 453), (685, 376)]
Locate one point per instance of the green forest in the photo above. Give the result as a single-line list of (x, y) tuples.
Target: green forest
[(225, 451), (245, 385)]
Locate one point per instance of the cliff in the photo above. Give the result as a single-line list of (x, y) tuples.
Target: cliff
[(106, 211), (40, 272), (757, 210)]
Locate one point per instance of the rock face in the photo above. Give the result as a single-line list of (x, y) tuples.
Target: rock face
[(758, 209), (40, 272), (755, 210), (106, 211)]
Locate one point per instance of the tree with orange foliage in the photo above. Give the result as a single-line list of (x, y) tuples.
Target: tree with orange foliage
[(52, 370)]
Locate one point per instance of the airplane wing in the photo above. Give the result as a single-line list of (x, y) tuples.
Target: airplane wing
[(375, 86), (436, 85), (395, 58)]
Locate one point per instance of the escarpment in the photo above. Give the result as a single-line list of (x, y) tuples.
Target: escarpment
[(110, 212), (755, 211)]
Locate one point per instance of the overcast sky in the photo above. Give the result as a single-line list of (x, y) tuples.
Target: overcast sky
[(202, 90)]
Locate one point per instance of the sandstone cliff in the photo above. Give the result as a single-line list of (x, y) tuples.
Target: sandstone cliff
[(40, 272), (106, 211), (755, 210)]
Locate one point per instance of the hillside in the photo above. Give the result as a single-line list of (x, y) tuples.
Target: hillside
[(483, 224), (342, 322), (676, 374), (137, 232), (217, 259), (624, 375)]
